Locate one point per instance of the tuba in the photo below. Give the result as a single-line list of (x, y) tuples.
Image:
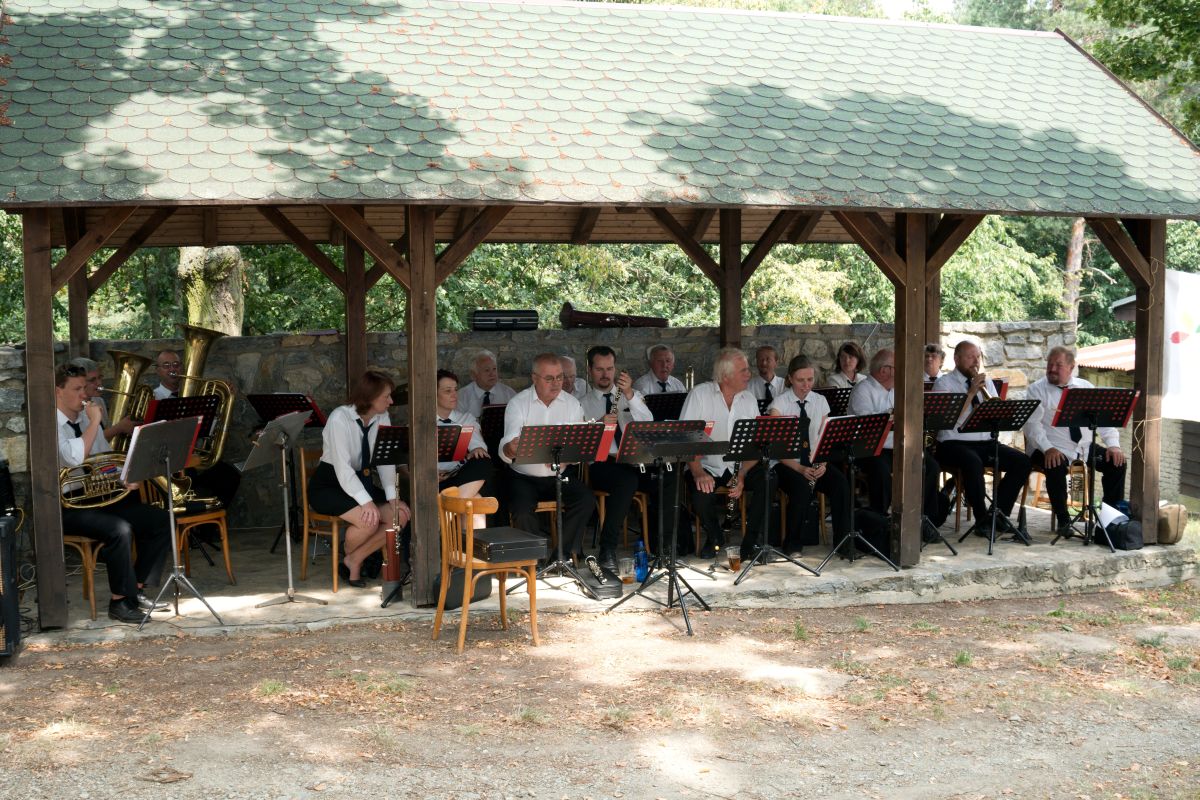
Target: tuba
[(130, 399), (196, 344)]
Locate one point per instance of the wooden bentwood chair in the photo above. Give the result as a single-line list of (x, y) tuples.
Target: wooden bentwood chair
[(316, 524), (457, 515)]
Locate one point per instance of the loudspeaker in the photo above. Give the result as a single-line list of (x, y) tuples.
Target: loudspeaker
[(10, 615)]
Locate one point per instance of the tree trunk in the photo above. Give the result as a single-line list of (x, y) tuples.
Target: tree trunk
[(1073, 273), (211, 283)]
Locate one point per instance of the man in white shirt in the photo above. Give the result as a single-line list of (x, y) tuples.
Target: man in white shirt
[(167, 365), (116, 526), (612, 399), (724, 400), (659, 379), (485, 388), (92, 393), (1053, 449), (574, 384), (968, 453), (766, 385), (545, 403)]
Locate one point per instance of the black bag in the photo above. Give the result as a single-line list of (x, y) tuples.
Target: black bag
[(1125, 535), (483, 588), (876, 528)]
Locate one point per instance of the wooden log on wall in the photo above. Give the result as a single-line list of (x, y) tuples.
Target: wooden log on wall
[(42, 422)]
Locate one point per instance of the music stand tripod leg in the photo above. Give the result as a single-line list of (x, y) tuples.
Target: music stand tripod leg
[(286, 531), (766, 550), (925, 520)]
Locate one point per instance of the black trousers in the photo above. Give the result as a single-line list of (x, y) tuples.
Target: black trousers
[(878, 471), (620, 481), (802, 506), (1112, 481), (526, 492), (711, 507), (118, 526), (970, 457)]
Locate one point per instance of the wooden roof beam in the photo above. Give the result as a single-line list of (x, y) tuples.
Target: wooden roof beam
[(871, 233), (384, 253), (464, 244), (86, 247), (401, 245), (687, 243), (131, 246), (774, 232), (585, 223), (945, 239), (701, 222), (1120, 245), (803, 228), (307, 246)]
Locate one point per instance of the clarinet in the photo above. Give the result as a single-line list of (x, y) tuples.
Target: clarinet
[(731, 506)]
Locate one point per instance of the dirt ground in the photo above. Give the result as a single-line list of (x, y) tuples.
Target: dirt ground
[(1095, 696)]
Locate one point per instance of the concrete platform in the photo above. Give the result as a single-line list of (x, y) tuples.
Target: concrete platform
[(1013, 571)]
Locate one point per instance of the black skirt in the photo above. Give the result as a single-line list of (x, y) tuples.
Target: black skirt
[(475, 469), (326, 496)]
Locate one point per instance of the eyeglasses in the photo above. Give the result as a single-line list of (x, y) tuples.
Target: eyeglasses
[(549, 378), (171, 365)]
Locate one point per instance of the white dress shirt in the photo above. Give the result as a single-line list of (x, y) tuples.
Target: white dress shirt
[(342, 440), (581, 388), (869, 397), (70, 446), (628, 411), (955, 381), (758, 385), (815, 406), (840, 381), (649, 384), (162, 393), (707, 403), (470, 397), (462, 419), (1040, 433), (526, 409)]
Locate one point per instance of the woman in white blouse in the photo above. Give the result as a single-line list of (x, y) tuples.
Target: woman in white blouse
[(849, 360), (472, 473), (344, 485)]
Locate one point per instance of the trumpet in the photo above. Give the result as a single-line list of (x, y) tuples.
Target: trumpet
[(982, 391)]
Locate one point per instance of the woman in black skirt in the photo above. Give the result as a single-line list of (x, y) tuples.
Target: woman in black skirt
[(471, 475), (344, 485)]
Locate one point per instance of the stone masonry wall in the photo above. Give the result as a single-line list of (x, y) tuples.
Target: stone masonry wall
[(314, 363)]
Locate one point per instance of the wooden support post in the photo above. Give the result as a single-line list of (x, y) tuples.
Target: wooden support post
[(356, 309), (74, 227), (933, 309), (730, 284), (42, 436), (908, 438), (422, 406)]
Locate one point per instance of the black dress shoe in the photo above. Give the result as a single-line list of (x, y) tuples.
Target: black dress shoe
[(608, 560), (122, 611), (708, 551), (146, 604)]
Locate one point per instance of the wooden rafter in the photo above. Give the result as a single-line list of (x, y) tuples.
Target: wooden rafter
[(86, 247), (305, 245), (131, 246), (456, 252), (700, 223), (380, 249), (1120, 245), (401, 245), (945, 239), (803, 228), (208, 233), (688, 244), (871, 233), (774, 232), (585, 223)]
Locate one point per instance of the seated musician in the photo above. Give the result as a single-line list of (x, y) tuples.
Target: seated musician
[(1053, 449), (849, 360), (470, 475), (485, 388), (766, 385), (612, 399), (118, 525), (800, 478), (934, 357), (876, 394), (93, 394), (724, 400), (545, 403), (343, 484), (574, 384), (222, 479), (969, 453), (659, 379)]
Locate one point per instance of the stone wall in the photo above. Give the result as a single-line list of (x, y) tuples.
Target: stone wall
[(315, 363)]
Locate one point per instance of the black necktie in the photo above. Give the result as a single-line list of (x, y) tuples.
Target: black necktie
[(445, 420), (974, 397), (79, 431), (487, 397), (365, 464), (1075, 431), (663, 384), (767, 396), (805, 453)]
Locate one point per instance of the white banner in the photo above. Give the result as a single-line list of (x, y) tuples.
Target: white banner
[(1181, 347)]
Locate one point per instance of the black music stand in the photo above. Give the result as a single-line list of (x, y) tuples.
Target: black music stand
[(1093, 408), (557, 445), (991, 417), (281, 433), (153, 448), (762, 439), (838, 399), (204, 406), (665, 406), (662, 444), (851, 438), (941, 412), (275, 405)]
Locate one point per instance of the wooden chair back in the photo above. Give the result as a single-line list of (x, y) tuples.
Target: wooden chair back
[(458, 524)]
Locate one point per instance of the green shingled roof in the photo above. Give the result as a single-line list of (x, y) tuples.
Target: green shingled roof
[(431, 100)]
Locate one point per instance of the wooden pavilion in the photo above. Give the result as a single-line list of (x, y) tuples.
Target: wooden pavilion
[(409, 132)]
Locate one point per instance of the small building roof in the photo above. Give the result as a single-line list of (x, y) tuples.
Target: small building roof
[(441, 101), (1116, 355)]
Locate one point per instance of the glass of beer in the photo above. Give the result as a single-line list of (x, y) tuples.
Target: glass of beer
[(625, 569), (735, 557)]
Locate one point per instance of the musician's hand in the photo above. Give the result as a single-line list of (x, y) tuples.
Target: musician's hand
[(403, 513), (478, 452), (1054, 457), (443, 474), (736, 487), (610, 418), (625, 384), (93, 413), (979, 381), (510, 449), (368, 515), (122, 428), (704, 482), (1115, 455), (818, 470)]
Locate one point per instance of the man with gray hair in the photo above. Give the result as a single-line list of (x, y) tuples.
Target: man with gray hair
[(485, 388), (572, 383), (659, 379), (724, 400)]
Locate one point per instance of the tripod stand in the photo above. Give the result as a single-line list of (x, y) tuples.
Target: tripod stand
[(941, 412), (853, 437), (762, 439), (280, 433), (275, 405), (152, 449)]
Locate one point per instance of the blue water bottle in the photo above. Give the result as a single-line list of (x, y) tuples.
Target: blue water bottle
[(641, 562)]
